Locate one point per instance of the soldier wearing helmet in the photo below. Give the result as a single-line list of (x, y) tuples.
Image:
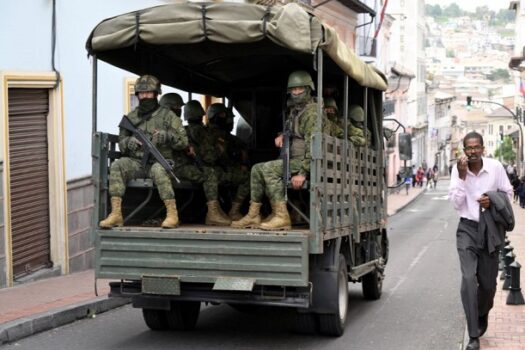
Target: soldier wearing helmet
[(232, 161), (172, 101), (356, 127), (196, 163), (266, 178), (167, 134)]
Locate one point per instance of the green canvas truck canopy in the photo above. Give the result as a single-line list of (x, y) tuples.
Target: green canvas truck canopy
[(215, 47)]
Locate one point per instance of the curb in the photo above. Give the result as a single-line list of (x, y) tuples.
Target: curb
[(27, 326), (408, 203)]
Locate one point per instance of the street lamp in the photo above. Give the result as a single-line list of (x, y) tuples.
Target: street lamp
[(515, 116)]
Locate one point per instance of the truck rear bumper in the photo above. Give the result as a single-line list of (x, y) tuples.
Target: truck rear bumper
[(271, 296)]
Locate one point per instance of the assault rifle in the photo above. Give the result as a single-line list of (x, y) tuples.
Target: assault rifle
[(285, 155), (148, 147)]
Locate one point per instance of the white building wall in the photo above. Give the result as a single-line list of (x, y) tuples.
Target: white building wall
[(25, 43)]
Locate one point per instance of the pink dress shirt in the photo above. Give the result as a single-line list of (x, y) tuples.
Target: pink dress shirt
[(464, 195)]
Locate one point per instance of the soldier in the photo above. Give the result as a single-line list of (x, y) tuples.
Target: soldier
[(197, 163), (332, 112), (267, 177), (356, 127), (172, 101), (232, 162), (167, 134)]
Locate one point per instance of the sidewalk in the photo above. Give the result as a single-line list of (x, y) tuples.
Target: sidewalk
[(397, 201), (38, 306), (506, 329)]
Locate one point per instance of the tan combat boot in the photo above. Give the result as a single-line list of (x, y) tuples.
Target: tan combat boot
[(252, 219), (172, 217), (115, 217), (281, 219), (216, 216), (269, 217), (235, 211)]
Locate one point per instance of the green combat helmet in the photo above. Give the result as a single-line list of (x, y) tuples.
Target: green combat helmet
[(300, 78), (147, 83), (330, 102), (356, 113), (171, 100), (193, 111), (214, 109)]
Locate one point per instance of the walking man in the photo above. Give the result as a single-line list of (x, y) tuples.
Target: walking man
[(478, 187)]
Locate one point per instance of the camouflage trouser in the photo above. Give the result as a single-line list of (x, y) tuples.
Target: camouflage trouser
[(267, 178), (125, 169), (235, 176), (207, 177)]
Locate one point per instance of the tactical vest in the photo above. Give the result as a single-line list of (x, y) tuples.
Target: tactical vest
[(297, 141)]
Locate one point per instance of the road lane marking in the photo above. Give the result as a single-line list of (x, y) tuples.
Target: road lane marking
[(410, 267)]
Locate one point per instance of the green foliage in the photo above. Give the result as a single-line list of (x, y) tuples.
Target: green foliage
[(451, 53), (505, 150), (499, 74), (440, 14), (433, 10), (453, 10)]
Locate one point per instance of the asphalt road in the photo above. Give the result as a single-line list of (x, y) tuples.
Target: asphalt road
[(420, 307)]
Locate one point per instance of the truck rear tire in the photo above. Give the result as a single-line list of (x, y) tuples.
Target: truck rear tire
[(183, 315), (155, 319), (372, 282), (334, 324), (305, 323)]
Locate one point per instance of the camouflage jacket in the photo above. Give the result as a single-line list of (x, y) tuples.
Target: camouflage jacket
[(232, 146), (161, 119), (201, 139)]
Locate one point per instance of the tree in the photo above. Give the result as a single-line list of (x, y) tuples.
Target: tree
[(452, 10), (505, 150), (433, 10), (499, 74)]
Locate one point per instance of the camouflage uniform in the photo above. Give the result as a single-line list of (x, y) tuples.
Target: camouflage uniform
[(166, 133), (229, 167), (130, 167), (267, 178), (187, 168), (355, 134)]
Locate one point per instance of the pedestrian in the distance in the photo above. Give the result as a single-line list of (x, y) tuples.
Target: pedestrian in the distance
[(481, 194), (521, 192), (408, 182)]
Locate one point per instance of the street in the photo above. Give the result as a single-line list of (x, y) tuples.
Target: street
[(420, 307)]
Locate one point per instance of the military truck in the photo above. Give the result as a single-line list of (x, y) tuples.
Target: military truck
[(244, 53)]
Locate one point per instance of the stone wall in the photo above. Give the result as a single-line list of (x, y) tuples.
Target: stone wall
[(80, 204)]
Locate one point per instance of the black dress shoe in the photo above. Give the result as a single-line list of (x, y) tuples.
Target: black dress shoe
[(483, 323), (473, 344)]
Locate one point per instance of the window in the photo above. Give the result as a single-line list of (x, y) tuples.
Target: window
[(130, 100), (491, 129)]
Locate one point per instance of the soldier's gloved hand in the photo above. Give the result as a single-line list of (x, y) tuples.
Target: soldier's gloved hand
[(159, 137), (133, 144)]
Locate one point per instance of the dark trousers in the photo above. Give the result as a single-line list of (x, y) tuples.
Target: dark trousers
[(479, 273)]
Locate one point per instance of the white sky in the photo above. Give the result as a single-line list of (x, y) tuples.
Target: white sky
[(471, 5)]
